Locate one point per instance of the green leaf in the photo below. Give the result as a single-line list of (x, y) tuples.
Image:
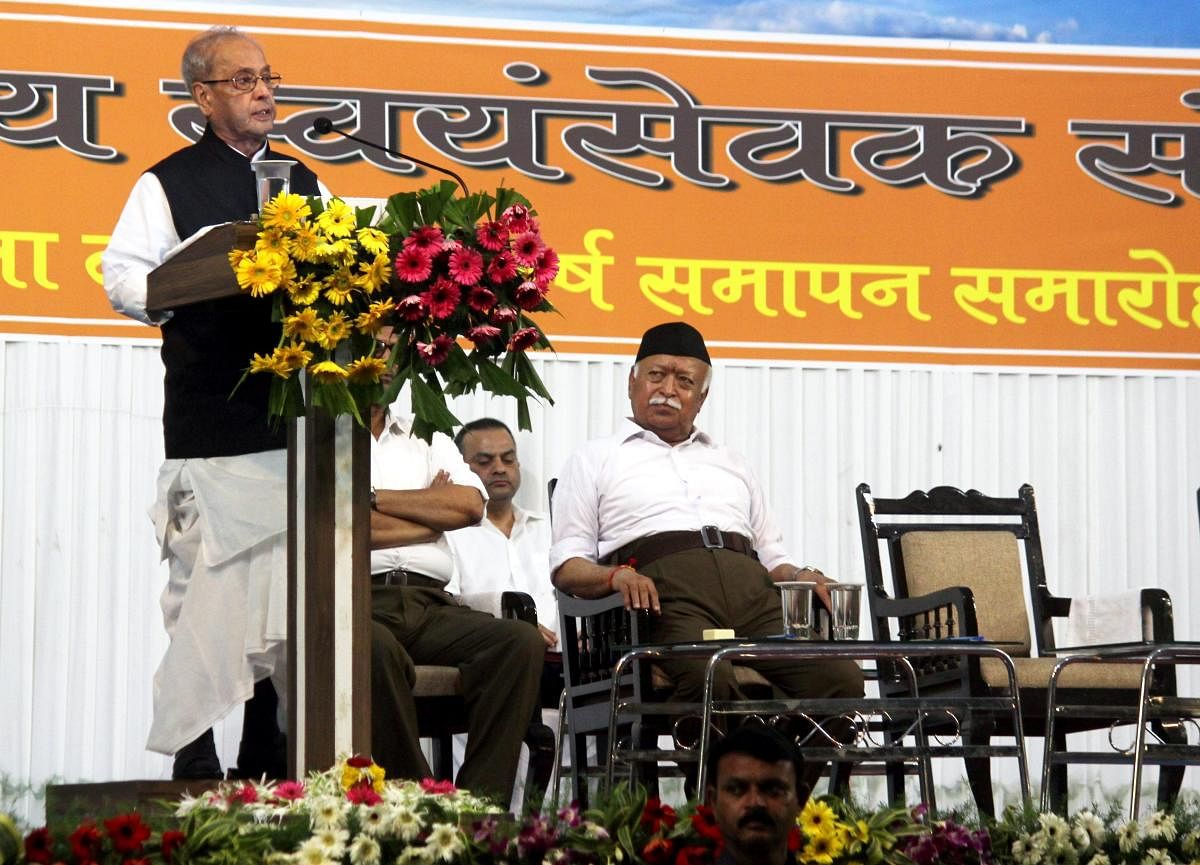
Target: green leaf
[(429, 407), (495, 380)]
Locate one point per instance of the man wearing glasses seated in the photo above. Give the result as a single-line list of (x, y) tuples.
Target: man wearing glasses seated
[(221, 511)]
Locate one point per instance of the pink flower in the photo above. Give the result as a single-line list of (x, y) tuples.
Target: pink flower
[(427, 238), (481, 299), (528, 295), (466, 266), (245, 794), (527, 247), (442, 298), (491, 236), (546, 267), (290, 791), (363, 793), (411, 308), (413, 264), (503, 315), (431, 785), (523, 339), (501, 268), (435, 353), (483, 333), (516, 219)]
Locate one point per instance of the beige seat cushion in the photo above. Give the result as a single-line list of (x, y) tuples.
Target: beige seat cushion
[(989, 563), (435, 681), (744, 676), (1035, 673)]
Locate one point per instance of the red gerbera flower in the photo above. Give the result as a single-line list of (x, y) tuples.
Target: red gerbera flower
[(466, 266), (413, 264), (430, 785), (435, 353), (246, 794), (523, 338), (516, 218), (528, 295), (127, 832), (363, 793), (546, 267), (491, 236), (656, 815), (411, 308), (502, 315), (86, 842), (501, 268), (527, 247), (705, 824), (658, 851), (481, 299), (427, 237), (694, 854), (172, 840), (795, 839), (359, 761), (291, 791), (483, 333), (38, 844), (442, 298)]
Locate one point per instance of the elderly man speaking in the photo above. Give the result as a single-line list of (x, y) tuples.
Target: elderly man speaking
[(677, 524)]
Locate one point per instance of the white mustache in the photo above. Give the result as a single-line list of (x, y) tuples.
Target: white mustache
[(670, 401)]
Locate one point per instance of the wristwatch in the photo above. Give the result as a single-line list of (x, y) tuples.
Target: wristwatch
[(371, 499)]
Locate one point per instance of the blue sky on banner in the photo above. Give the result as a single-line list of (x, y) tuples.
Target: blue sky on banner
[(1146, 23)]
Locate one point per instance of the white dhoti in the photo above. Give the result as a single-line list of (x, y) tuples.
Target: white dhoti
[(222, 525)]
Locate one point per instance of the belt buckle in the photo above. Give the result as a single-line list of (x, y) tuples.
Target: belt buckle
[(711, 537), (397, 577)]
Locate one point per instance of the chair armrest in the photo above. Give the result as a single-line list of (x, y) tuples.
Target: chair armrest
[(1158, 620), (1054, 605), (569, 605), (958, 599), (518, 605)]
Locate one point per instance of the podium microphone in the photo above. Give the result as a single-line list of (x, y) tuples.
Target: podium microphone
[(323, 125)]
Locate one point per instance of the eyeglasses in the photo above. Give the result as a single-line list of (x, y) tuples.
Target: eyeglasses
[(244, 82), (382, 348)]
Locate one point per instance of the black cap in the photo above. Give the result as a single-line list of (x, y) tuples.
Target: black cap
[(675, 337)]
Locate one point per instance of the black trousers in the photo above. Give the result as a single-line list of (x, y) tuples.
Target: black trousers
[(500, 661)]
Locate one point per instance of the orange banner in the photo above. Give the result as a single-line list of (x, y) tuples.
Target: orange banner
[(851, 202)]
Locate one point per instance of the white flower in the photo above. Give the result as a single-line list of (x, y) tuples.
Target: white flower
[(1080, 837), (445, 841), (1191, 842), (187, 805), (312, 852), (1128, 836), (1091, 824), (414, 854), (1056, 829), (1099, 859), (1061, 853), (375, 819), (1160, 825), (1156, 856), (595, 830), (365, 850), (406, 824), (327, 812), (333, 840), (1020, 848)]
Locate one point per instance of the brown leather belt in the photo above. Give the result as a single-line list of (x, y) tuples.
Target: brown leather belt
[(650, 548), (402, 577)]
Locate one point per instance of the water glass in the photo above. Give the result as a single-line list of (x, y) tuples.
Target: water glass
[(796, 598), (845, 601), (271, 177)]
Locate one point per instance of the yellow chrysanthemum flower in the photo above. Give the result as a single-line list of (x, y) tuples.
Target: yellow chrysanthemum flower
[(822, 849), (304, 291), (236, 256), (272, 240), (374, 275), (294, 356), (373, 240), (338, 287), (818, 819), (304, 242), (366, 370), (333, 330), (268, 363), (327, 372), (368, 322), (285, 211), (302, 325), (338, 219), (259, 274)]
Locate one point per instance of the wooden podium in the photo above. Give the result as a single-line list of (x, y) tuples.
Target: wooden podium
[(329, 585)]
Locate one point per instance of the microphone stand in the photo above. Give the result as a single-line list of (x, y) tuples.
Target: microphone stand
[(323, 125)]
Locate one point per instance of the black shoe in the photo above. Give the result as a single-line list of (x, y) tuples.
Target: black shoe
[(197, 760)]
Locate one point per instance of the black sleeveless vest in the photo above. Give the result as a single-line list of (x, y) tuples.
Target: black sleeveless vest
[(207, 346)]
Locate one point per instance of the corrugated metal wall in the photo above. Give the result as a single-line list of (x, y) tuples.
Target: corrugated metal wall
[(1114, 457)]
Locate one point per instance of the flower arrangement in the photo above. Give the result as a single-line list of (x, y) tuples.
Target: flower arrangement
[(447, 273), (352, 815)]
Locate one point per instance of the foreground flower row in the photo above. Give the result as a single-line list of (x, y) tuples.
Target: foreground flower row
[(351, 815)]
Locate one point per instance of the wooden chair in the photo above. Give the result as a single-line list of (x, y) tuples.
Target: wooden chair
[(954, 563), (442, 711)]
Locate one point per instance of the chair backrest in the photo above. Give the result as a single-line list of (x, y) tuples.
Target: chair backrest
[(943, 538)]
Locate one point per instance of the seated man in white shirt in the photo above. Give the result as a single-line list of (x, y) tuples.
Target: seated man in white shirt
[(510, 549)]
